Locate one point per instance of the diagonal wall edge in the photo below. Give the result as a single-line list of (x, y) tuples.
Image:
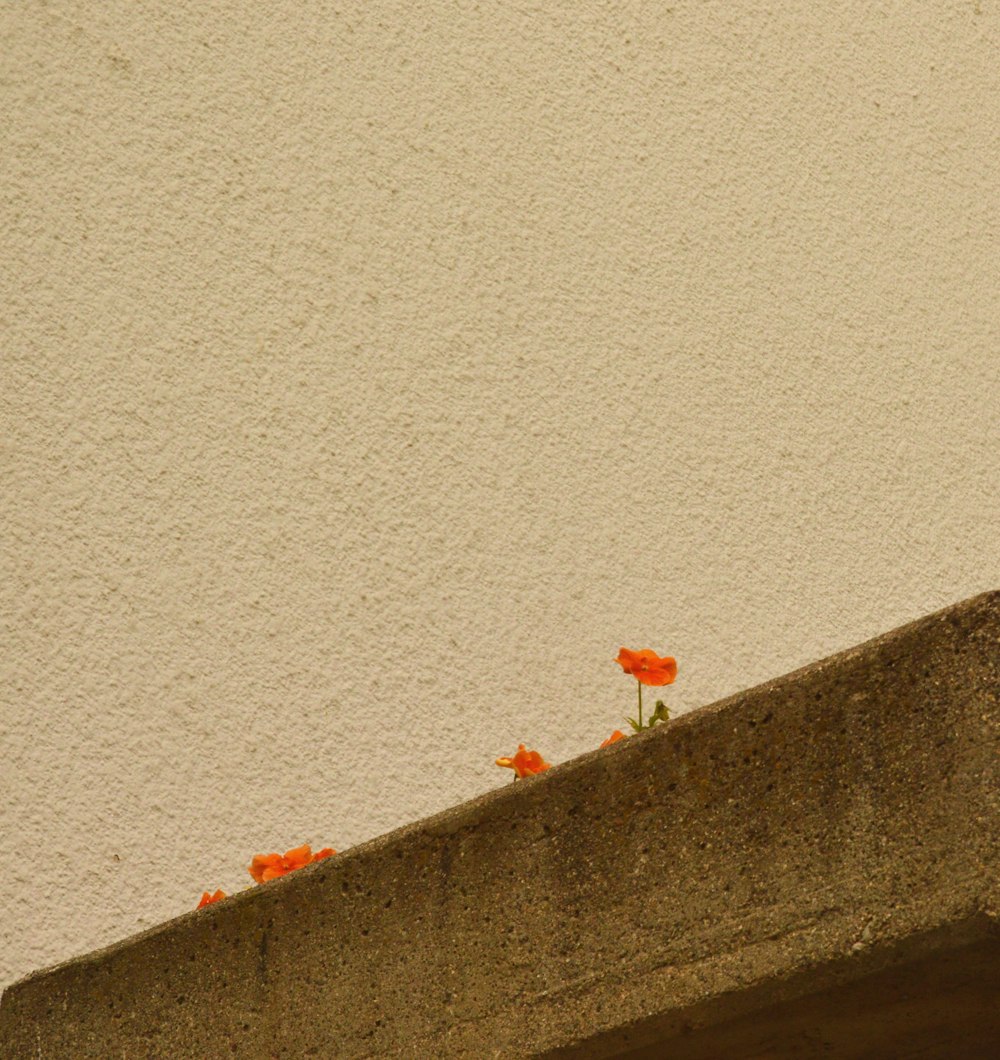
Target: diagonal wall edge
[(836, 827)]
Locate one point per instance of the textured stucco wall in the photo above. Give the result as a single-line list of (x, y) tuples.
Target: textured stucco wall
[(371, 372)]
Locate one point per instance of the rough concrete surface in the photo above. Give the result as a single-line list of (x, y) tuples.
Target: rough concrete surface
[(797, 870)]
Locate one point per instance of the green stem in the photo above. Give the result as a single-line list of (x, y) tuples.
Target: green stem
[(639, 684)]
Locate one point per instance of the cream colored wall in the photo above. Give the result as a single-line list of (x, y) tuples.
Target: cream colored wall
[(373, 371)]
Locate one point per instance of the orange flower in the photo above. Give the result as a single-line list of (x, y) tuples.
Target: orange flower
[(614, 738), (265, 867), (208, 899), (524, 763), (647, 667)]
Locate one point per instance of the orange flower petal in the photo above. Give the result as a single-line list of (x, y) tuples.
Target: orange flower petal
[(295, 859), (614, 738), (626, 659), (662, 676), (324, 853), (208, 899)]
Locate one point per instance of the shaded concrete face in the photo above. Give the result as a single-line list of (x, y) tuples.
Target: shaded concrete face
[(739, 873), (934, 997)]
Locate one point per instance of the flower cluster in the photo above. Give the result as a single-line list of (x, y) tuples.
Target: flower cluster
[(647, 668), (265, 867)]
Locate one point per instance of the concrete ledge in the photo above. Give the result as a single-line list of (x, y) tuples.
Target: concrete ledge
[(807, 868)]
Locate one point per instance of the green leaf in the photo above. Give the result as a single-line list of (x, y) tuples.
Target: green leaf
[(660, 713)]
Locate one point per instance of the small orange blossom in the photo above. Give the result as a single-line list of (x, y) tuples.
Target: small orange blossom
[(208, 899), (524, 763), (647, 667), (614, 738)]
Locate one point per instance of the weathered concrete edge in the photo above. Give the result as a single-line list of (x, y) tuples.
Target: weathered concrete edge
[(469, 814), (969, 916)]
